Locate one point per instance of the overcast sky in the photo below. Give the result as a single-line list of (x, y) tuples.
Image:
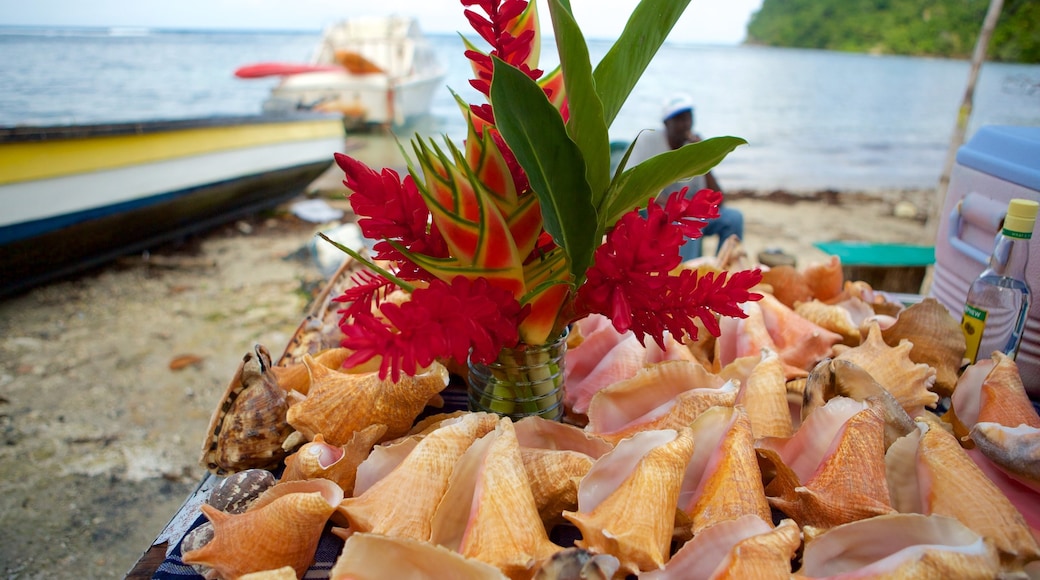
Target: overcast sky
[(705, 21)]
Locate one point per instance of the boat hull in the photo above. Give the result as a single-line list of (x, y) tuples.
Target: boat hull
[(75, 198)]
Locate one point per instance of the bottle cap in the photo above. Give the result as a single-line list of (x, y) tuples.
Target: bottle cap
[(1021, 216)]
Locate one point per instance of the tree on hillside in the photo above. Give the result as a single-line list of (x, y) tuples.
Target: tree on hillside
[(914, 27)]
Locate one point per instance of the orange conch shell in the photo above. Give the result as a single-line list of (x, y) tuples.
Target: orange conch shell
[(556, 456), (295, 377), (318, 459), (340, 404), (936, 337), (248, 427), (764, 395), (900, 546), (281, 528), (722, 480), (402, 503), (825, 280), (665, 395), (833, 470), (893, 369), (627, 502), (744, 547), (489, 482), (375, 557), (832, 317), (930, 473), (789, 285)]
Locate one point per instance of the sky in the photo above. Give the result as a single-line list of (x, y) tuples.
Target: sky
[(704, 22)]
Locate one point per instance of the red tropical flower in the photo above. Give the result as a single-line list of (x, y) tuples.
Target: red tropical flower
[(450, 320)]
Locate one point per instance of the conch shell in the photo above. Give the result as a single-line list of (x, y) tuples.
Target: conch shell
[(375, 557), (339, 404), (906, 546), (282, 528), (764, 395), (318, 459), (722, 480), (248, 427), (833, 470), (744, 547), (665, 395), (893, 369), (402, 503), (488, 482), (937, 341), (627, 501), (930, 473)]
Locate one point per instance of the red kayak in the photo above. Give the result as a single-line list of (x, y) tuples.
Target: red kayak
[(270, 69)]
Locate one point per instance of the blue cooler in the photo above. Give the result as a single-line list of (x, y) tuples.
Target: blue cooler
[(998, 163)]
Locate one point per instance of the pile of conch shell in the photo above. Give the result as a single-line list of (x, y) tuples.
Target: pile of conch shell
[(809, 440)]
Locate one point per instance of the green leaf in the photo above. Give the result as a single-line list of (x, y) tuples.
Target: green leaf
[(585, 125), (648, 178), (554, 165), (648, 26)]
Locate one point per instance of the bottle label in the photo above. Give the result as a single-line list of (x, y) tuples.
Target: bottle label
[(1016, 235), (973, 323)]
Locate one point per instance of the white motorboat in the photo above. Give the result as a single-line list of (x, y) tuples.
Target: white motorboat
[(373, 71)]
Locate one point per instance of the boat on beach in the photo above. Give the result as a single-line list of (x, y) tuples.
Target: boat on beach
[(77, 196), (375, 71)]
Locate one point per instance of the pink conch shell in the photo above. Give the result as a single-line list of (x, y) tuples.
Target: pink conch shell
[(1016, 450), (540, 433), (666, 395), (627, 502), (937, 340), (832, 317), (281, 528), (339, 404), (744, 547), (800, 343), (621, 362), (402, 503), (892, 368), (833, 470), (930, 473), (318, 459), (488, 512), (375, 557), (900, 546), (722, 480), (764, 395)]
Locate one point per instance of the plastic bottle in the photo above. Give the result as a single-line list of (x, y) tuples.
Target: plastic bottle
[(998, 301)]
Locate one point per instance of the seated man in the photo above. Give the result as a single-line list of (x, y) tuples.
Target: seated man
[(677, 117)]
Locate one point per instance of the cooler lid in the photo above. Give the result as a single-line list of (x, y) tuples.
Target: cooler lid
[(1008, 152)]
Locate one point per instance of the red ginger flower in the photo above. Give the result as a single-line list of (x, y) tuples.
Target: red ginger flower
[(630, 279), (391, 209), (441, 320)]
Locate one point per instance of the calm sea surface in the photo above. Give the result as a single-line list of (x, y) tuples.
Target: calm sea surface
[(813, 119)]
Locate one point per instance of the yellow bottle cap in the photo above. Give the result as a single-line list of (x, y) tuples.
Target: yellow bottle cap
[(1021, 216)]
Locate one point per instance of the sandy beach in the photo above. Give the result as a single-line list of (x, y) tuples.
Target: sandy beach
[(108, 380)]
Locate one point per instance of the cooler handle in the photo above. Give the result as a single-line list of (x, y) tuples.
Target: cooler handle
[(984, 212)]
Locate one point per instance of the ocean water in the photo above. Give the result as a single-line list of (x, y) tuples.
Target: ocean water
[(813, 119)]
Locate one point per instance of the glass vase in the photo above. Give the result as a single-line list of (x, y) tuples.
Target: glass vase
[(522, 381)]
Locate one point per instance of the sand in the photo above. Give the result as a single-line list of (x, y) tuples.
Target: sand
[(108, 380)]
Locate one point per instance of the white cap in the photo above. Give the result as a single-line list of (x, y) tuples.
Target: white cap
[(676, 104)]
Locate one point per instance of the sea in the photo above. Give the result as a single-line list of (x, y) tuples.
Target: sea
[(813, 119)]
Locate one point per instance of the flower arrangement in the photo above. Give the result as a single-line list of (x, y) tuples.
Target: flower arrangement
[(523, 230)]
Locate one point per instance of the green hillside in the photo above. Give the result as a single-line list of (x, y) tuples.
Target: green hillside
[(945, 28)]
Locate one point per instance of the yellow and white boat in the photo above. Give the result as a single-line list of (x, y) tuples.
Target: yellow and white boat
[(72, 197)]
